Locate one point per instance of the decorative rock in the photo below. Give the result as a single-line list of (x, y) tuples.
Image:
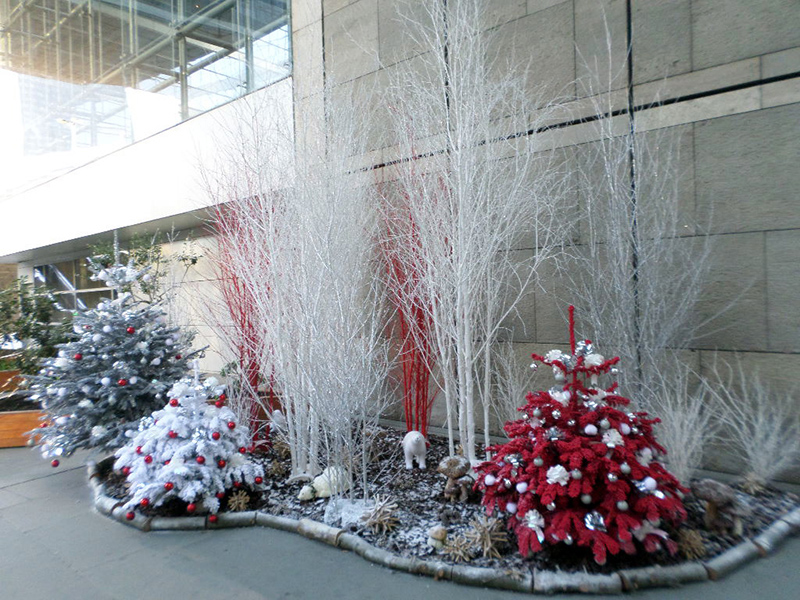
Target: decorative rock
[(414, 448)]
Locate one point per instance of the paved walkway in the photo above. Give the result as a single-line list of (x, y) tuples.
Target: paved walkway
[(54, 546)]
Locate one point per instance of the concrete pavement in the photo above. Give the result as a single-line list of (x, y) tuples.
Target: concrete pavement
[(54, 546)]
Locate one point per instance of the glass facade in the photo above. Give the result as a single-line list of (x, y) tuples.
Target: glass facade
[(80, 78), (72, 284)]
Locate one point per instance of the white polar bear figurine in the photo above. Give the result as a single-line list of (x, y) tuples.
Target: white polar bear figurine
[(414, 448)]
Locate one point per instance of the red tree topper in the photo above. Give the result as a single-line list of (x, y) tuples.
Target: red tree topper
[(580, 470)]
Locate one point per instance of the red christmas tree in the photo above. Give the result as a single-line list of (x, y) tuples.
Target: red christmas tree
[(580, 470)]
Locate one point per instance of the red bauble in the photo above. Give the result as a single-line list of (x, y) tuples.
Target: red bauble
[(138, 449), (126, 471), (201, 460), (123, 382), (166, 462), (44, 424), (236, 484), (231, 425), (130, 330), (259, 480), (221, 463), (172, 434), (169, 486), (215, 435), (191, 507), (219, 404), (55, 462), (78, 356), (145, 502), (130, 516), (148, 459), (212, 518), (173, 402), (178, 357), (242, 450), (223, 397), (220, 495)]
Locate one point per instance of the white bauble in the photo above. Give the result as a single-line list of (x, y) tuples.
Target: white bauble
[(106, 381), (156, 361), (97, 338), (107, 329), (590, 429), (490, 479), (522, 487), (511, 508)]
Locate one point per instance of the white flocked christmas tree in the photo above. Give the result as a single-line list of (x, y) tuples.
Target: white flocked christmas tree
[(122, 359), (191, 449)]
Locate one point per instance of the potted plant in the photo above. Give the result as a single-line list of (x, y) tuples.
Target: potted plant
[(27, 334)]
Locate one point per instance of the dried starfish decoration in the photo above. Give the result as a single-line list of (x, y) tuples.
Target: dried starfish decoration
[(239, 501), (488, 534), (381, 518), (458, 549)]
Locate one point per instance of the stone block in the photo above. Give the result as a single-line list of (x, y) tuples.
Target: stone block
[(305, 12), (351, 41), (401, 29), (728, 30), (662, 40), (690, 111), (308, 67), (780, 93), (783, 290), (600, 45), (733, 303), (746, 173), (535, 6), (542, 43), (698, 81), (331, 6), (780, 63), (497, 12)]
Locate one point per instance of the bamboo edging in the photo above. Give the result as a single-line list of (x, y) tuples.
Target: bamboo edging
[(538, 582)]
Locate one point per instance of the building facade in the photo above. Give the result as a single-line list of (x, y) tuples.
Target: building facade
[(724, 73)]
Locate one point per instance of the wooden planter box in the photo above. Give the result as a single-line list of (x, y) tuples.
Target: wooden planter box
[(14, 424)]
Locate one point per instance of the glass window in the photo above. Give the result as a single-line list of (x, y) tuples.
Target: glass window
[(80, 78)]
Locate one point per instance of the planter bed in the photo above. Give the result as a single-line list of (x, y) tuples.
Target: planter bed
[(774, 516)]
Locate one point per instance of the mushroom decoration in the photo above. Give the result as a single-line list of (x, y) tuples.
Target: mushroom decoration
[(459, 483)]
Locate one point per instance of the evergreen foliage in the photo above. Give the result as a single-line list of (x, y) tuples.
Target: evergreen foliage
[(190, 449), (121, 359), (580, 470)]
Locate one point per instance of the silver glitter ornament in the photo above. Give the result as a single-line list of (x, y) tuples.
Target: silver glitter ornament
[(612, 477), (605, 424), (538, 462), (571, 423), (622, 505), (583, 348), (576, 474), (586, 499), (556, 414), (554, 433), (625, 468), (568, 540), (614, 371), (534, 366), (537, 412), (551, 506), (594, 521), (514, 459)]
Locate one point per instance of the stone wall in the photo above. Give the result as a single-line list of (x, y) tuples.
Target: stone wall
[(726, 74)]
